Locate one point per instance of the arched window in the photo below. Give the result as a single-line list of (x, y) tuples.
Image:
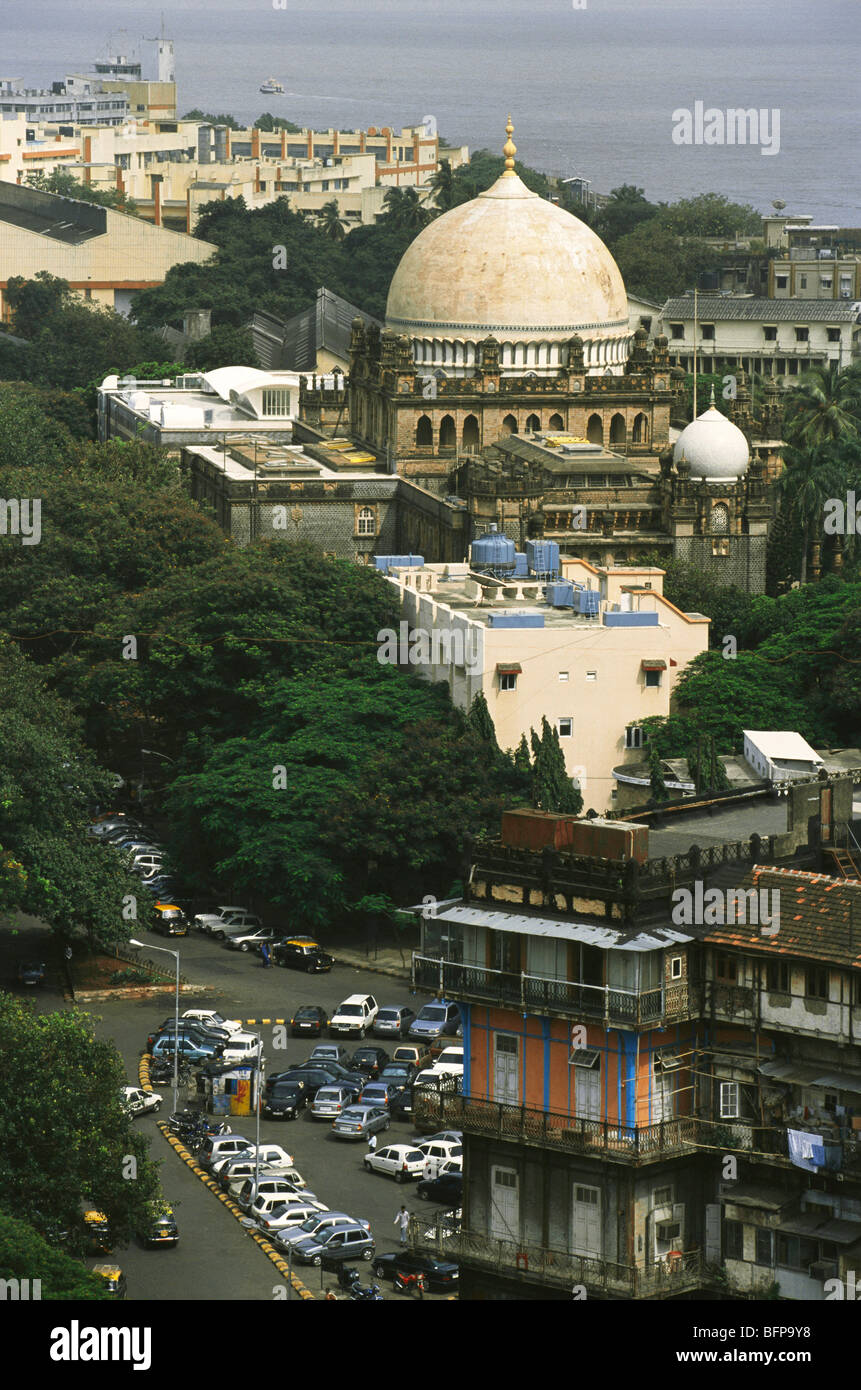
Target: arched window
[(367, 522), (618, 433), (556, 422), (720, 518), (447, 433), (509, 425), (595, 430), (424, 432), (470, 434), (533, 422), (640, 434)]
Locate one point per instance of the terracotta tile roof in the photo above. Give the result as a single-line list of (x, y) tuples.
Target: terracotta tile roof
[(820, 918)]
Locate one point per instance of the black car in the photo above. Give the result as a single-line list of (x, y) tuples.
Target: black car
[(441, 1275), (31, 972), (160, 1229), (285, 1100), (302, 955), (314, 1077), (401, 1104), (369, 1061), (398, 1074), (309, 1020), (340, 1075), (188, 1028), (448, 1188)]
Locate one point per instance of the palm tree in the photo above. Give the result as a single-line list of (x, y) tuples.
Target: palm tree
[(442, 183), (825, 405), (404, 209), (809, 478), (329, 221)]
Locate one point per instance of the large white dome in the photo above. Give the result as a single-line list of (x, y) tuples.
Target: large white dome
[(715, 448), (512, 265)]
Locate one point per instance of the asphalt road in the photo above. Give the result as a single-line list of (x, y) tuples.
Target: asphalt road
[(215, 1259)]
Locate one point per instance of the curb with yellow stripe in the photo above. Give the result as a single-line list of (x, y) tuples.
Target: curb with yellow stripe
[(188, 1158)]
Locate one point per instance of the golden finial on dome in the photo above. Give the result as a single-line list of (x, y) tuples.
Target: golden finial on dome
[(509, 149)]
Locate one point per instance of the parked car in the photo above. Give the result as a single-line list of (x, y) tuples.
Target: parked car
[(161, 887), (188, 1028), (302, 955), (288, 1218), (417, 1055), (330, 1101), (453, 1136), (248, 940), (276, 1159), (332, 1074), (378, 1093), (401, 1104), (398, 1161), (437, 1020), (189, 1050), (31, 972), (210, 1019), (447, 1188), (160, 1227), (233, 1176), (441, 1275), (169, 920), (265, 1203), (98, 1233), (449, 1062), (205, 921), (242, 1047), (443, 1082), (355, 1015), (112, 824), (285, 1100), (393, 1021), (360, 1121), (218, 1146), (115, 1280), (397, 1074), (316, 1225), (137, 1102), (439, 1151), (333, 1248), (270, 1185), (310, 1019), (331, 1052), (369, 1060)]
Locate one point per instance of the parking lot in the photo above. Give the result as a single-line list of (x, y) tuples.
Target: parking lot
[(215, 1258)]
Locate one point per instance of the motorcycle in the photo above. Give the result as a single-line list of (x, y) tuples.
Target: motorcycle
[(348, 1279), (405, 1283)]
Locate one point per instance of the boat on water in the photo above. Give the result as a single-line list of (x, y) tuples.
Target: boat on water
[(272, 85)]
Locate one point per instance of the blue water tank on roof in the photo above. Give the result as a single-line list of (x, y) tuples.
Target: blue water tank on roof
[(543, 557), (521, 568), (560, 594), (493, 551), (630, 619), (589, 600)]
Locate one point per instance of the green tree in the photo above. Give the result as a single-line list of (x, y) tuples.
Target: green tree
[(823, 408), (480, 721), (443, 185), (64, 183), (225, 346), (657, 781), (329, 220), (626, 207), (67, 1140), (552, 788), (404, 209), (24, 1254)]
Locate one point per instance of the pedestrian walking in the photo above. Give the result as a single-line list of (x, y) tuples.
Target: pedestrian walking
[(403, 1220), (264, 951), (372, 1143)]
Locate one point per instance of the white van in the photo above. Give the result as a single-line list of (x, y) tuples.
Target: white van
[(219, 1146), (242, 1047), (354, 1015)]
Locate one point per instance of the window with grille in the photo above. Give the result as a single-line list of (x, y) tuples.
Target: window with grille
[(728, 1100), (733, 1240), (508, 680), (276, 401), (367, 522)]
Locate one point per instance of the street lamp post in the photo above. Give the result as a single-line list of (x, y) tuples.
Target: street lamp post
[(175, 954), (258, 1075)]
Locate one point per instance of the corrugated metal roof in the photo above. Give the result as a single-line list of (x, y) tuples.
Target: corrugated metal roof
[(776, 310), (293, 344), (608, 938)]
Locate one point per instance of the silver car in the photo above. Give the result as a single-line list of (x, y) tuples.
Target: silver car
[(360, 1122), (331, 1101)]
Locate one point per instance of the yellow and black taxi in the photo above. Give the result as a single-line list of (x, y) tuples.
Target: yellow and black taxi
[(98, 1232), (114, 1278), (160, 1226), (169, 920), (302, 953)]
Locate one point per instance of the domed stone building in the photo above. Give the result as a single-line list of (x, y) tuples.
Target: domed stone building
[(506, 315)]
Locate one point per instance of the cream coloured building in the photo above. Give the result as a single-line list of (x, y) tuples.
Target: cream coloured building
[(106, 256), (593, 677)]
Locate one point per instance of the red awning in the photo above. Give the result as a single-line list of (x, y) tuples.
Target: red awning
[(508, 668), (652, 663)]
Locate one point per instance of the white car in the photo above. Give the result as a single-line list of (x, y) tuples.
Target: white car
[(276, 1159), (437, 1152), (138, 1102), (449, 1062), (205, 921), (398, 1161), (214, 1020), (290, 1216), (355, 1015), (233, 1176), (242, 1047), (269, 1202), (316, 1225)]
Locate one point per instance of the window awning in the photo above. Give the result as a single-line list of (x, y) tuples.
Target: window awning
[(653, 663), (807, 1074), (584, 1057), (508, 668)]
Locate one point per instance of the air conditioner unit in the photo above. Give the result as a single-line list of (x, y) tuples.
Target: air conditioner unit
[(669, 1230), (823, 1269)]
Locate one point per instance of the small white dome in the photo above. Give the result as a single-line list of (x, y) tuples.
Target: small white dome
[(715, 448)]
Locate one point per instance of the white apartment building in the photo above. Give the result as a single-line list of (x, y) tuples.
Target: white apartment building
[(593, 676), (782, 338)]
